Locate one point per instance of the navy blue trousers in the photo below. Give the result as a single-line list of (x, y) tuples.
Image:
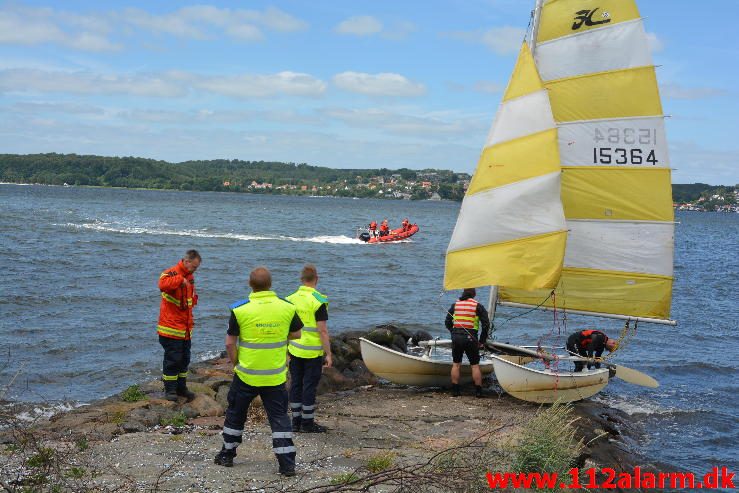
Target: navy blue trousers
[(176, 361), (305, 373), (274, 399)]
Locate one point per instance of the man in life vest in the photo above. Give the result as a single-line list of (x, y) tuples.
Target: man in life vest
[(589, 344), (384, 229), (465, 319), (406, 225), (177, 286), (373, 229), (256, 343), (310, 353)]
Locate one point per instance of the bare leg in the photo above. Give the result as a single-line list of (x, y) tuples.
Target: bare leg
[(455, 372), (476, 374)]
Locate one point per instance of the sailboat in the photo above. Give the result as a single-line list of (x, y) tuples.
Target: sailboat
[(570, 207)]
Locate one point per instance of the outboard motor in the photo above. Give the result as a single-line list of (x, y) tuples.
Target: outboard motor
[(365, 236)]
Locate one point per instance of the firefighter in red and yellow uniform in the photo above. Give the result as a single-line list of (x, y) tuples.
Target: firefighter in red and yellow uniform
[(373, 229), (384, 228), (464, 320), (177, 285), (589, 344)]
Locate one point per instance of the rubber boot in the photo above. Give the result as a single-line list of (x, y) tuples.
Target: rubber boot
[(478, 391), (170, 390), (456, 392), (313, 427), (287, 464), (182, 389), (297, 423), (225, 457)]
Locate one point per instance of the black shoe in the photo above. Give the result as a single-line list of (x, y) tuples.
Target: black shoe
[(287, 472), (314, 428), (296, 426), (456, 392), (171, 395), (478, 391), (225, 458), (187, 394)]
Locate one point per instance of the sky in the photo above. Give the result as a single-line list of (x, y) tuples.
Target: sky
[(345, 84)]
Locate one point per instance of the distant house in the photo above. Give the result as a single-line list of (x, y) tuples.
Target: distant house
[(304, 187), (426, 184), (226, 183)]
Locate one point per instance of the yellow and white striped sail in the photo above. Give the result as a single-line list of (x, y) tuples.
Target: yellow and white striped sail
[(594, 59), (511, 226)]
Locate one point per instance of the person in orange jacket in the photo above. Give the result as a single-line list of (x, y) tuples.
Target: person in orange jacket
[(373, 228), (177, 286), (406, 224), (384, 229)]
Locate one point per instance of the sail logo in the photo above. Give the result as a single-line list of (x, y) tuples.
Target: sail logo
[(585, 18)]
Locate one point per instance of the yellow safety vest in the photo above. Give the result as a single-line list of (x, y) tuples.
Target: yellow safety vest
[(264, 323), (307, 300)]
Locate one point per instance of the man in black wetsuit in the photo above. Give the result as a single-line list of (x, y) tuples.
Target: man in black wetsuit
[(464, 320), (589, 344)]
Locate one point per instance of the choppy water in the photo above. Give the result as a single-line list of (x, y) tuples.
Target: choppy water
[(79, 302)]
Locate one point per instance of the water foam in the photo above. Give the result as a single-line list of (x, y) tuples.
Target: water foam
[(195, 233)]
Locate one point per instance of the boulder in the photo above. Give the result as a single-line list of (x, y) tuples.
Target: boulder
[(222, 396), (400, 342), (420, 335), (202, 405), (216, 382), (333, 381), (201, 388), (352, 334), (384, 337)]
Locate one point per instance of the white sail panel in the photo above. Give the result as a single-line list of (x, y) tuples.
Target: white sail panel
[(642, 140), (507, 213), (640, 247), (521, 116), (613, 47)]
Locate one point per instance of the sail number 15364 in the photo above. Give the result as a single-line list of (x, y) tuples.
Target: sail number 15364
[(618, 137)]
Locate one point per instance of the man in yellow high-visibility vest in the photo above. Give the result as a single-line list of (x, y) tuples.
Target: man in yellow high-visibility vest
[(256, 343), (307, 353)]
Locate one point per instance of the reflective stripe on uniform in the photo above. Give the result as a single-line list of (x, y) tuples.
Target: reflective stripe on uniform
[(269, 371), (179, 333), (171, 299), (309, 408), (282, 434), (169, 378), (309, 348), (307, 415), (232, 431), (182, 375), (229, 446), (310, 329), (262, 345), (283, 450)]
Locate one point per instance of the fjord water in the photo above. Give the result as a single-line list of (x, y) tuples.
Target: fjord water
[(79, 299)]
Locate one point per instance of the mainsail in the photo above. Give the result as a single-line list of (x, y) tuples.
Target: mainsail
[(511, 228), (594, 61)]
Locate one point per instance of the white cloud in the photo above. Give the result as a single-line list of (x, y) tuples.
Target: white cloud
[(486, 86), (696, 164), (360, 25), (382, 84), (399, 30), (501, 40), (677, 91), (32, 26), (168, 84), (257, 86), (655, 44)]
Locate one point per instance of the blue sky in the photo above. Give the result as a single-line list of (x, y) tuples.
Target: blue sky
[(381, 83)]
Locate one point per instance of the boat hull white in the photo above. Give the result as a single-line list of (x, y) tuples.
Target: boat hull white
[(546, 386), (406, 369)]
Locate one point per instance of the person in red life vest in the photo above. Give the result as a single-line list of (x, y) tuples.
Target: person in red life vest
[(589, 344), (406, 224), (373, 229), (384, 229), (177, 286), (465, 319)]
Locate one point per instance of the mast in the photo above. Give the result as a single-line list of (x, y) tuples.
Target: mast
[(535, 27), (492, 302)]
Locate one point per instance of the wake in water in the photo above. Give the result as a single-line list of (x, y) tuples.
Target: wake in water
[(195, 233)]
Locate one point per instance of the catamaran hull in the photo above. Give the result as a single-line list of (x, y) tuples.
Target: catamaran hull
[(406, 369), (546, 386)]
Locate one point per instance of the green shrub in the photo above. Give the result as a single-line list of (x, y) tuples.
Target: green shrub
[(177, 420), (133, 394), (41, 459), (548, 442), (380, 462), (347, 477)]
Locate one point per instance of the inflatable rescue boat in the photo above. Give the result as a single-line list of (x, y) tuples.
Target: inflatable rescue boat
[(393, 235)]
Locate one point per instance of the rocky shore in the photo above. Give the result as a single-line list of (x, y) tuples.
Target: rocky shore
[(137, 441)]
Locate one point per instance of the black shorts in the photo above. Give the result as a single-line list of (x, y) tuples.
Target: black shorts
[(465, 345)]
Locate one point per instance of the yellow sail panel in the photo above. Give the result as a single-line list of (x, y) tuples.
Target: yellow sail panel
[(615, 94), (516, 160), (622, 293), (641, 194), (522, 262), (566, 17), (525, 78)]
